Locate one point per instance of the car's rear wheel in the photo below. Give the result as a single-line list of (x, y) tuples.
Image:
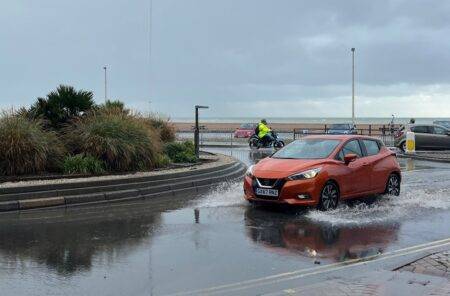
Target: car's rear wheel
[(279, 144), (329, 197), (393, 185)]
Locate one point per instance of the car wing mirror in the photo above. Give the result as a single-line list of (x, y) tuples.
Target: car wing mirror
[(348, 158)]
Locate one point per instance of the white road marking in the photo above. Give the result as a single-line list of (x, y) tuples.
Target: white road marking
[(316, 270)]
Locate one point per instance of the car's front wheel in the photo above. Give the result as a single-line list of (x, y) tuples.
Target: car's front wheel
[(393, 185), (329, 197)]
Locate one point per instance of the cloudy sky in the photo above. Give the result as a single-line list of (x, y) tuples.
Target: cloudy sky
[(242, 57)]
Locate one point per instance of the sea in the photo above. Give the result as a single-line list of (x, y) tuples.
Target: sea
[(313, 120)]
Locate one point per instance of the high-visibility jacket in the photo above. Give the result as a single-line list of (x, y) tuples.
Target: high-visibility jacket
[(263, 130)]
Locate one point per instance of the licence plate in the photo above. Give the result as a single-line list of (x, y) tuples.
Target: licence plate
[(266, 192)]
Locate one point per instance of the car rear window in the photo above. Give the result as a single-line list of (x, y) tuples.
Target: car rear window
[(372, 147), (307, 149)]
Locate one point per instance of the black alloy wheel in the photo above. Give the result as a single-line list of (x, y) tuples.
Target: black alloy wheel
[(403, 146), (393, 185), (329, 197)]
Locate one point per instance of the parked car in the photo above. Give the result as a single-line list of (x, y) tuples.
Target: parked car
[(444, 123), (342, 129), (246, 130), (322, 170), (427, 136)]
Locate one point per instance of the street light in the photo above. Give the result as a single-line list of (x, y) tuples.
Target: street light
[(197, 130), (106, 89), (353, 85)]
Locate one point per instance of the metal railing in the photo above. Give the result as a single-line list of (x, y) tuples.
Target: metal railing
[(226, 137)]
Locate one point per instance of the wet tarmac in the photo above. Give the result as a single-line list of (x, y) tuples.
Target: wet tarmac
[(161, 246)]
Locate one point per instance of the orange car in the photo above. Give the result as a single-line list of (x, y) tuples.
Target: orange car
[(322, 170)]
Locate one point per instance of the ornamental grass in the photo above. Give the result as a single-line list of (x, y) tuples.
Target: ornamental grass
[(118, 139), (26, 147)]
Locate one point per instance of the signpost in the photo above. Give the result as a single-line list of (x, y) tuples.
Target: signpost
[(197, 130)]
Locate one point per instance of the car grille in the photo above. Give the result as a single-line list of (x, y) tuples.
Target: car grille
[(267, 182), (273, 183)]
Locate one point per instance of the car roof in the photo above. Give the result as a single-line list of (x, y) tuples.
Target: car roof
[(429, 124), (339, 137)]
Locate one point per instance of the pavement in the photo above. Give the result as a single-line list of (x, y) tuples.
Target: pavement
[(439, 156), (437, 264)]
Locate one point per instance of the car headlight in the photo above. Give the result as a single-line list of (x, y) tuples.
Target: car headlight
[(309, 174), (249, 172)]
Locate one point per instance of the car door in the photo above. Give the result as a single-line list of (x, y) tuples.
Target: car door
[(441, 137), (356, 175), (423, 136), (375, 161)]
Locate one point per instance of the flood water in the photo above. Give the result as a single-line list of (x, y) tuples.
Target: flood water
[(163, 246)]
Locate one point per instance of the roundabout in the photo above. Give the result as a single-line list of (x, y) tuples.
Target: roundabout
[(215, 243)]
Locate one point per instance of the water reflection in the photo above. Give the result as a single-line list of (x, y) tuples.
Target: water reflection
[(256, 155), (67, 242), (286, 232)]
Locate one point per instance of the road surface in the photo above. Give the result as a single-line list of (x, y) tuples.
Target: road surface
[(217, 244)]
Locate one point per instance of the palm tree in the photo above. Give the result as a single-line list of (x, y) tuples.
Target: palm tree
[(62, 105)]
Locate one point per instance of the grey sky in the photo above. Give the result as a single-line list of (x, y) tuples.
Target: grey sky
[(242, 57)]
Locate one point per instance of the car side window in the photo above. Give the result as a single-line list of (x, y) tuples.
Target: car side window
[(439, 130), (420, 129), (340, 156), (352, 147), (372, 147)]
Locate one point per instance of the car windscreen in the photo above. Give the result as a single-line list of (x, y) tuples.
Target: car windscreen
[(307, 149), (247, 126), (340, 126), (443, 123)]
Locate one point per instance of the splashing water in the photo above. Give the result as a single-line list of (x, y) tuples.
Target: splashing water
[(410, 203), (225, 195)]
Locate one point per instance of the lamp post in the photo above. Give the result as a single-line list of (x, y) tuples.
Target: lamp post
[(197, 130), (353, 85), (106, 88)]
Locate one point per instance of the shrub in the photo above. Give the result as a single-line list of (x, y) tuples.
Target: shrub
[(117, 139), (62, 105), (181, 152), (80, 164), (162, 160), (25, 147), (114, 107), (165, 129)]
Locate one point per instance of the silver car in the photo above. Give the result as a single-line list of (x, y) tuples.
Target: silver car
[(428, 137)]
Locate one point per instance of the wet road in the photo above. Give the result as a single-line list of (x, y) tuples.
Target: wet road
[(217, 240)]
